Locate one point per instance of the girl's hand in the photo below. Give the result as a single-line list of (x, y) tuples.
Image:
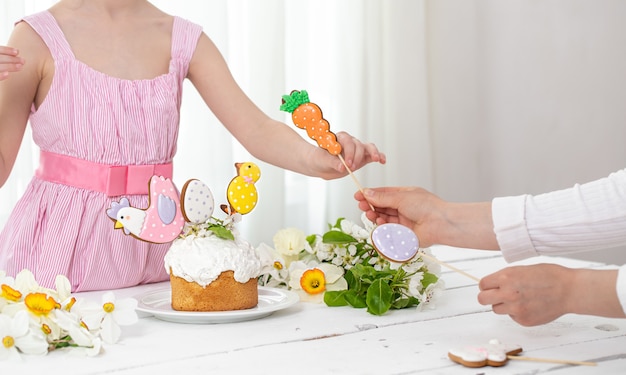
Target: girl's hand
[(9, 61), (357, 154)]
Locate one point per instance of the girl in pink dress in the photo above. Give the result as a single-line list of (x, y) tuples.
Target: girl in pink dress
[(101, 86)]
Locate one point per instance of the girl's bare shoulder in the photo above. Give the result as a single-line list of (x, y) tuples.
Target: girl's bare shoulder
[(31, 46)]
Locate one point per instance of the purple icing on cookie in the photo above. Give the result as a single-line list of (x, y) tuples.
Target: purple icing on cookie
[(395, 242)]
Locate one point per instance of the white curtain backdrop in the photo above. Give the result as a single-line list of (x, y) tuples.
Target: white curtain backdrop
[(361, 61), (468, 98)]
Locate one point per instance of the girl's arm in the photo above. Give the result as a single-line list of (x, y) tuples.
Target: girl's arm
[(17, 94), (267, 139)]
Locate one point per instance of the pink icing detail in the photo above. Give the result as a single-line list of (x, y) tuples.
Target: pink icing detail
[(154, 230), (493, 351)]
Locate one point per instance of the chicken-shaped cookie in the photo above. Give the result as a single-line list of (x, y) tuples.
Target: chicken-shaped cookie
[(494, 354), (161, 222), (241, 192)]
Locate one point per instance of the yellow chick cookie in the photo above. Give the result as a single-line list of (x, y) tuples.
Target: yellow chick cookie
[(241, 192)]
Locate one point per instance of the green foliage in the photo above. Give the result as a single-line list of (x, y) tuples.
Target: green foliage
[(378, 289)]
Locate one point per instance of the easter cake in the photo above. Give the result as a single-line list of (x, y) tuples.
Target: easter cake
[(211, 267), (211, 273)]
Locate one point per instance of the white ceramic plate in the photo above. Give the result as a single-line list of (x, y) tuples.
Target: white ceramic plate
[(159, 304)]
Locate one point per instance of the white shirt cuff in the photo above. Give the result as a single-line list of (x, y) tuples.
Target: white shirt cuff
[(509, 225)]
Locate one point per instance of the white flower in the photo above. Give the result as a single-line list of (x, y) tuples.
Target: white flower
[(310, 281), (415, 284), (430, 295), (15, 334), (274, 270), (109, 316), (323, 251), (289, 242), (378, 263), (80, 335), (433, 267)]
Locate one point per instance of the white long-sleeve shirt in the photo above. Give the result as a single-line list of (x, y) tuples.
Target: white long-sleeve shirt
[(590, 216)]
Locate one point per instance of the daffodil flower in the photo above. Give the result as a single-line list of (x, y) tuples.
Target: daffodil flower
[(109, 316), (79, 333), (289, 242), (311, 281), (15, 334)]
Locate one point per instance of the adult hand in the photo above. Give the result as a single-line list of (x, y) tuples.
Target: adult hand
[(412, 207), (434, 221), (530, 295), (538, 294)]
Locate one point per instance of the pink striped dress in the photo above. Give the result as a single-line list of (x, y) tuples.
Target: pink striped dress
[(60, 229)]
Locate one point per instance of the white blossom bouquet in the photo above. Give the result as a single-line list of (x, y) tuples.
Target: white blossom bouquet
[(37, 320), (342, 268)]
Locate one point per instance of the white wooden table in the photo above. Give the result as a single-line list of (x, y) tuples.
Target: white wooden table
[(315, 339)]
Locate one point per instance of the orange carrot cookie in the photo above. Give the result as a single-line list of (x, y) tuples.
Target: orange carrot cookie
[(308, 116)]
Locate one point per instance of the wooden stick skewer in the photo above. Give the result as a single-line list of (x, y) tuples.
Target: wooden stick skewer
[(433, 259), (561, 361), (354, 179)]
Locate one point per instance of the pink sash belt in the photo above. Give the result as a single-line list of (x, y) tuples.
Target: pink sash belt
[(113, 180)]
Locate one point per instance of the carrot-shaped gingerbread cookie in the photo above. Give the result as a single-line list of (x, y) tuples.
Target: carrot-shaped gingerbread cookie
[(308, 116)]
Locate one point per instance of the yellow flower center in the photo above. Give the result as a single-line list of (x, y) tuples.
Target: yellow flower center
[(8, 342), (40, 303), (10, 294), (313, 281), (108, 307), (278, 265), (46, 329)]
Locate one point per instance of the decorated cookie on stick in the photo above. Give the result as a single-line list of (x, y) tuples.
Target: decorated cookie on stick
[(308, 116), (241, 192), (397, 243), (496, 354), (197, 202)]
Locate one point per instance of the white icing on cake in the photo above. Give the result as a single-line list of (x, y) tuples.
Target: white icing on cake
[(201, 259)]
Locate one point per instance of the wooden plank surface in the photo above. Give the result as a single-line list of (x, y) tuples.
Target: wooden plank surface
[(310, 338)]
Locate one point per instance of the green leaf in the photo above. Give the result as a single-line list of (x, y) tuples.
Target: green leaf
[(337, 223), (221, 232), (311, 239), (379, 297), (337, 237), (428, 279), (400, 303), (353, 282), (335, 298), (357, 300)]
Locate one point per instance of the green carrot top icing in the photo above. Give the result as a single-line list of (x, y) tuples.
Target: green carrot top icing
[(294, 100)]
